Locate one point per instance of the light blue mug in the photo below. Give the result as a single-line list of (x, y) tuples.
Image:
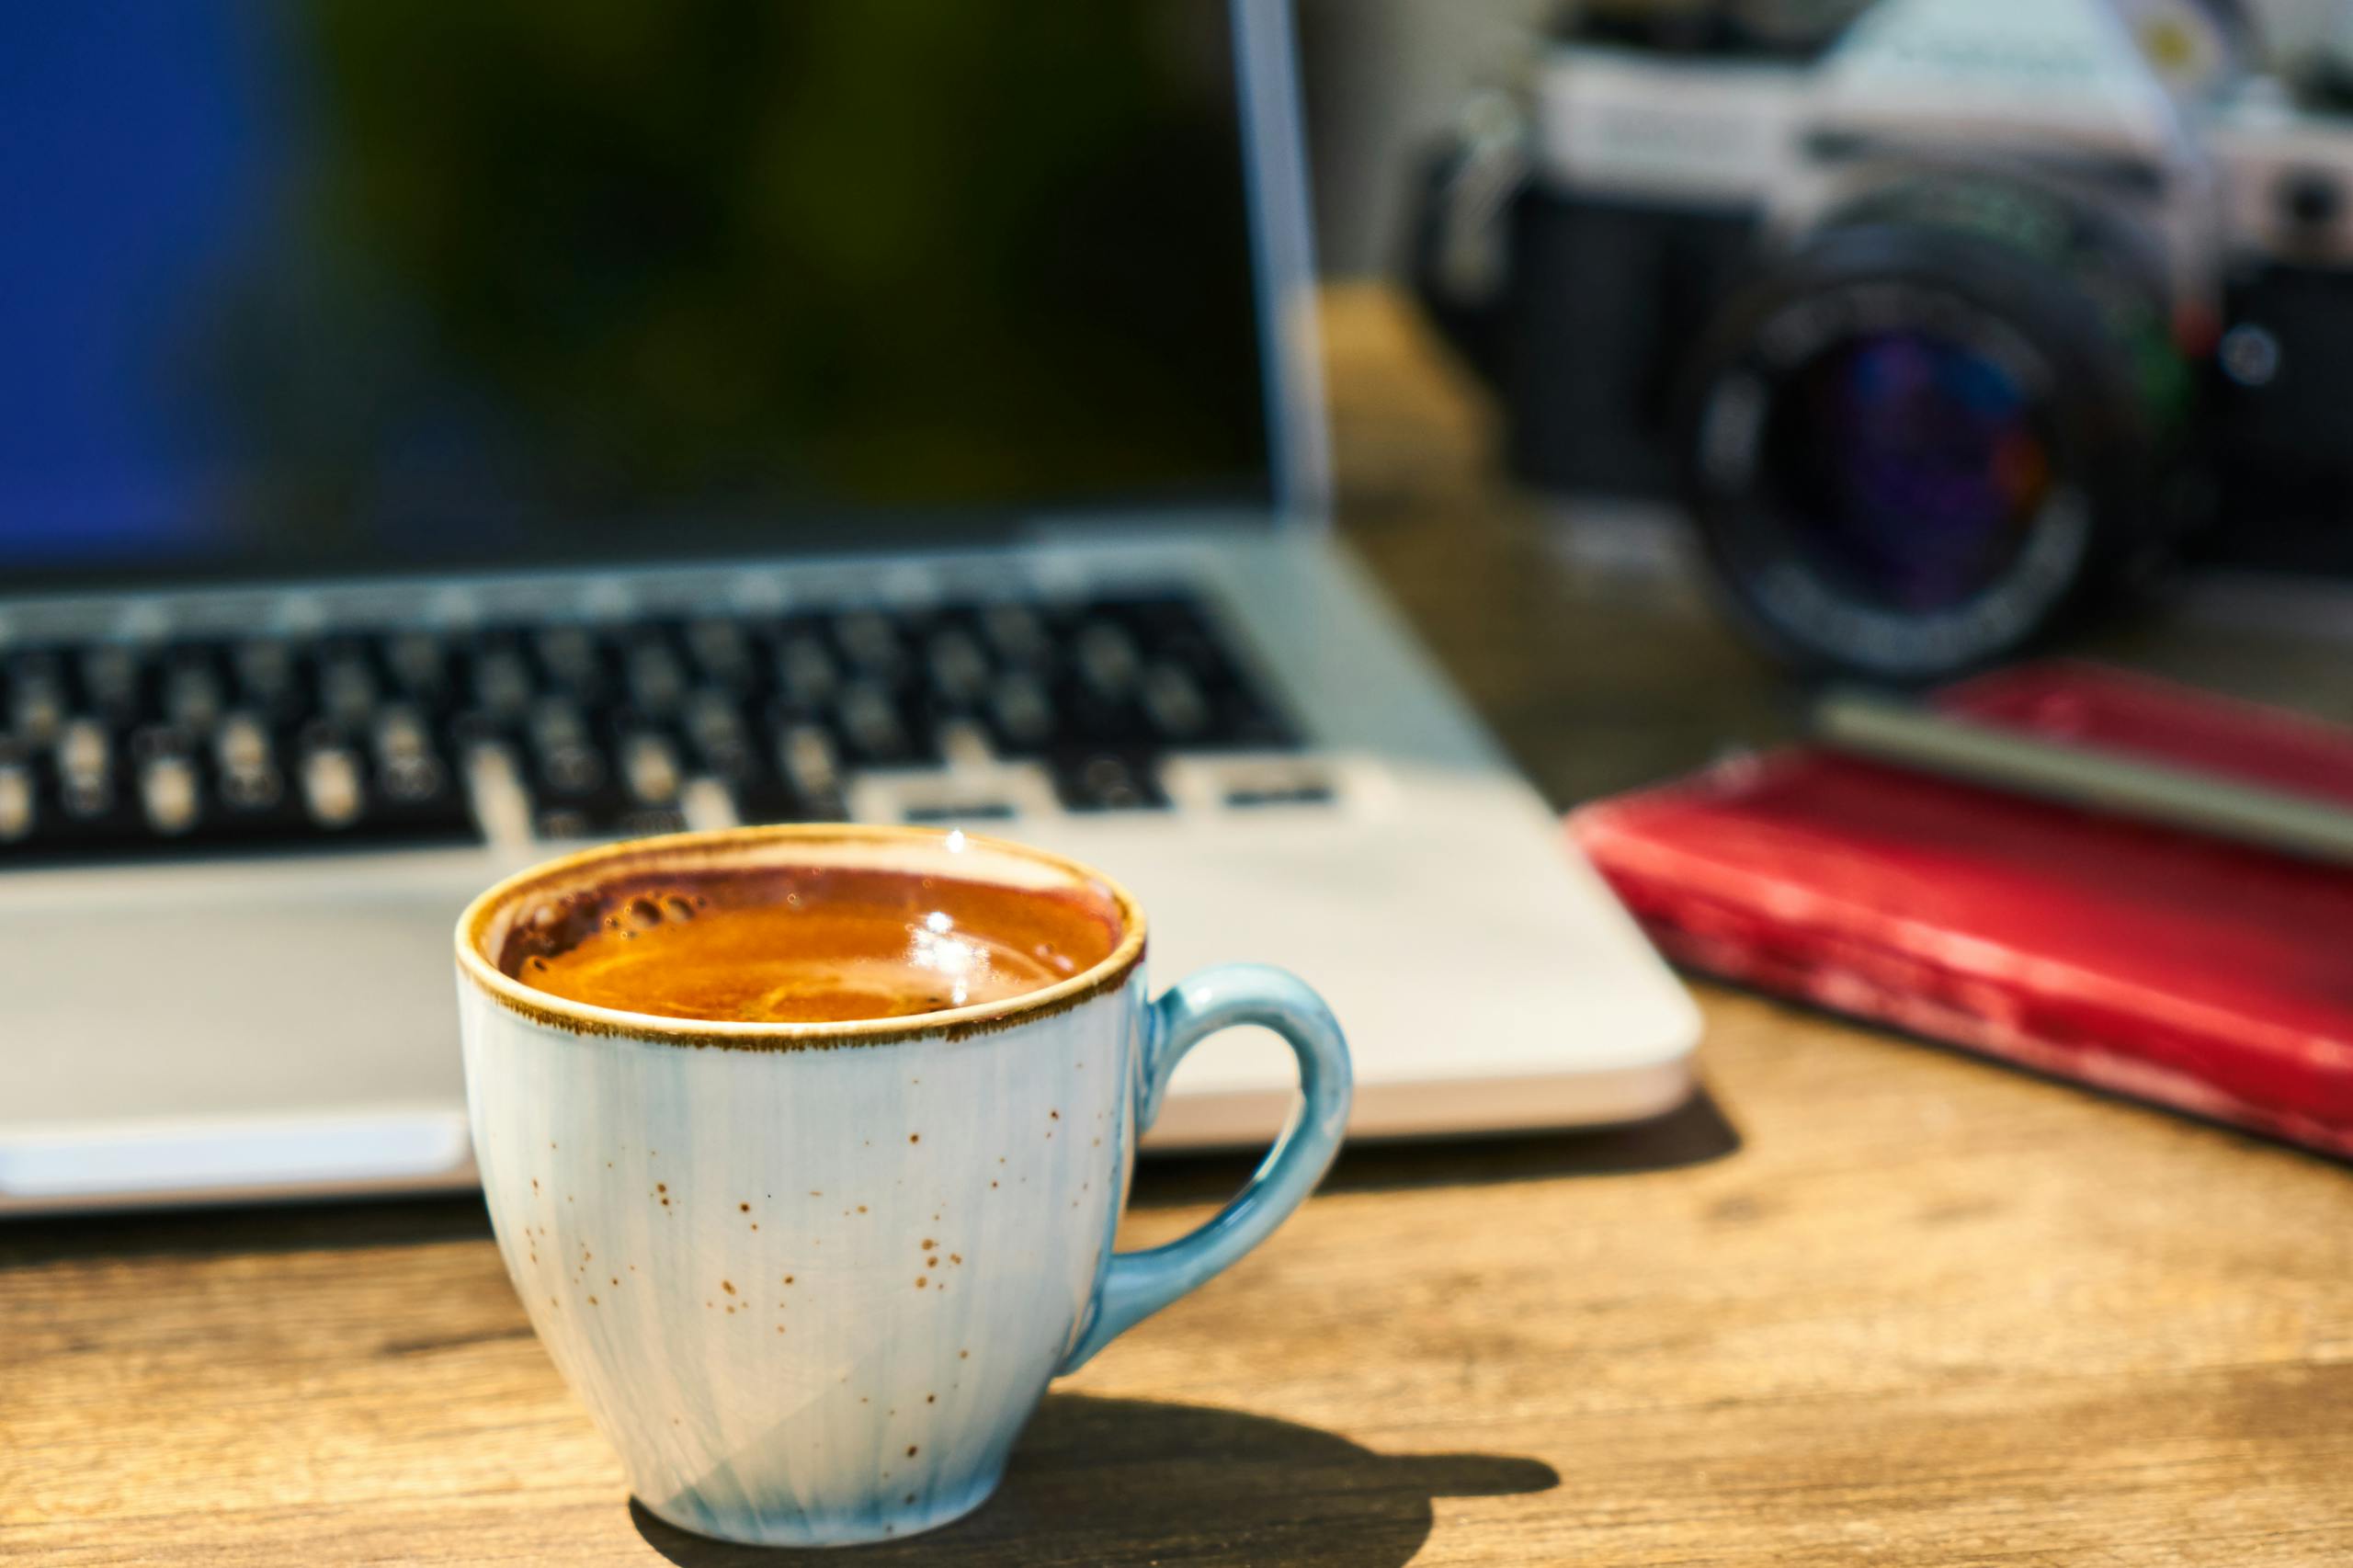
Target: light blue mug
[(811, 1280)]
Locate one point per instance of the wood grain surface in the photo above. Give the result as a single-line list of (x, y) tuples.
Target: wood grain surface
[(1865, 1302)]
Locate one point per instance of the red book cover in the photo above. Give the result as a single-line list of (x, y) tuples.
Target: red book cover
[(2203, 975)]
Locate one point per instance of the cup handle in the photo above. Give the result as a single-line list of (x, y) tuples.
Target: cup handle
[(1137, 1284)]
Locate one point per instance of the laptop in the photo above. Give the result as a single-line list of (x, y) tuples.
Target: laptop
[(434, 437)]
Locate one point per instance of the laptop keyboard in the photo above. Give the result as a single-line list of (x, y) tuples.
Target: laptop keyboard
[(113, 748)]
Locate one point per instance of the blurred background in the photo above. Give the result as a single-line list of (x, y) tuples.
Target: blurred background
[(1457, 484)]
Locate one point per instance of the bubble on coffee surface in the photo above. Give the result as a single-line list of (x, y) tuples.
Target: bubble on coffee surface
[(560, 924)]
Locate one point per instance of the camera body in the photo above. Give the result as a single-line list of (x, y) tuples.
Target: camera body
[(1940, 316)]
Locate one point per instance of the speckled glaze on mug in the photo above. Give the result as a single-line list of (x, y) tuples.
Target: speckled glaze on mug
[(811, 1280)]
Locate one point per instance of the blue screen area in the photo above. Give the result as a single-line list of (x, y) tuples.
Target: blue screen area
[(296, 287), (135, 144)]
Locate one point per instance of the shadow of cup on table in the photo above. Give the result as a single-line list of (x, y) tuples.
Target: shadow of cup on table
[(1103, 1481)]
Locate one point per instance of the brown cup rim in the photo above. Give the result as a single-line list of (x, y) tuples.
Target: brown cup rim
[(714, 846)]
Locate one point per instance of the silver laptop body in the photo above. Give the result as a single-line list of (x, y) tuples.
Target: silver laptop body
[(1234, 724)]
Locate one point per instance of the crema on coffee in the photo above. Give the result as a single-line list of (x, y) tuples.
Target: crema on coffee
[(785, 945)]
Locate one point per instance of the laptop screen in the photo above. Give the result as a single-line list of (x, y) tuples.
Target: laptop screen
[(294, 285)]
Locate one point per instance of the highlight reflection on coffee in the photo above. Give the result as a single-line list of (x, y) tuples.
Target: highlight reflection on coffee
[(804, 945)]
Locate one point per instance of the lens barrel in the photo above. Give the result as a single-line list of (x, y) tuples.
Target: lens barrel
[(1910, 450)]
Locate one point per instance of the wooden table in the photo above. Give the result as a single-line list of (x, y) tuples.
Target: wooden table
[(1865, 1302)]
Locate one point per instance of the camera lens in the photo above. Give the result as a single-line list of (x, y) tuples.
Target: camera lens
[(1912, 451), (1910, 469)]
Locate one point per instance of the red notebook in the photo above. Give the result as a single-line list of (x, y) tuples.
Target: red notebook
[(2206, 975)]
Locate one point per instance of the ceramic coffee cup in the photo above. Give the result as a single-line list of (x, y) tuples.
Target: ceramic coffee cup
[(811, 1279)]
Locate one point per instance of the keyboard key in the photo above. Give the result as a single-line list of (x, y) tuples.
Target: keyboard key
[(18, 800), (766, 798), (419, 663), (806, 671), (650, 764), (169, 789), (242, 745), (1016, 633), (1107, 659), (268, 679), (193, 698), (409, 772), (809, 761), (959, 670), (1090, 719), (964, 744), (332, 786), (720, 741), (716, 734), (721, 652), (1022, 715), (113, 681), (644, 822), (347, 693), (245, 768), (1173, 701), (869, 640), (400, 733), (86, 773), (1297, 792), (85, 750), (657, 677), (37, 707), (572, 660), (88, 789), (1106, 781), (503, 687), (872, 723), (566, 761)]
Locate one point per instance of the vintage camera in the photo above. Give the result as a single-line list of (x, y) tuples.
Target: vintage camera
[(1940, 316)]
